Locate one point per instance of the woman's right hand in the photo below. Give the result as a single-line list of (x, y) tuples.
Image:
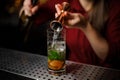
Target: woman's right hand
[(28, 8)]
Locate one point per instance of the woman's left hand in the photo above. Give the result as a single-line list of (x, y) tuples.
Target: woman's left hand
[(76, 20), (72, 20)]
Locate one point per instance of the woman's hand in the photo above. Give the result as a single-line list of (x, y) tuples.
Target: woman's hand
[(71, 20), (28, 8), (77, 20)]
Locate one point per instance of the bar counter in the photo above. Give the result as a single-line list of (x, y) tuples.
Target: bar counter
[(34, 67)]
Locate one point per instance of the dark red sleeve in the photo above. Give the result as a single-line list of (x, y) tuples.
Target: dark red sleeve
[(113, 33)]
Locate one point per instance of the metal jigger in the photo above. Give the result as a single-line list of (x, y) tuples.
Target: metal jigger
[(56, 24)]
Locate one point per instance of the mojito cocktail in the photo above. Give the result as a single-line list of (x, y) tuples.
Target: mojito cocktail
[(56, 48)]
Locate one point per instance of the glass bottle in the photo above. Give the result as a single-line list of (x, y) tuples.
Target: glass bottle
[(56, 44), (25, 22)]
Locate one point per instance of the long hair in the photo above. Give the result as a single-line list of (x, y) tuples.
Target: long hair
[(99, 14)]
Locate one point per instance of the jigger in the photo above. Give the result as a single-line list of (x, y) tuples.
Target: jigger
[(56, 24)]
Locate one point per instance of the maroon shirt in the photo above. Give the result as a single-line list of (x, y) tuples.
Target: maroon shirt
[(79, 48)]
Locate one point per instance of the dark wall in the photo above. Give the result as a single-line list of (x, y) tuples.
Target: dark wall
[(10, 34)]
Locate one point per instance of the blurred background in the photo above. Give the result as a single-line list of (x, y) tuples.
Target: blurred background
[(10, 34), (9, 10)]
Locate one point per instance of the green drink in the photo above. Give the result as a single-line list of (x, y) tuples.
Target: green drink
[(56, 53)]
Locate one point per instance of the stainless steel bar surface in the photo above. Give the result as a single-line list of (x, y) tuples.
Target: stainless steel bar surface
[(34, 66)]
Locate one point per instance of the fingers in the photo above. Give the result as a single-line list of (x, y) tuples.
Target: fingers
[(58, 8), (29, 9), (56, 15), (27, 3), (68, 19), (34, 9), (74, 20)]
